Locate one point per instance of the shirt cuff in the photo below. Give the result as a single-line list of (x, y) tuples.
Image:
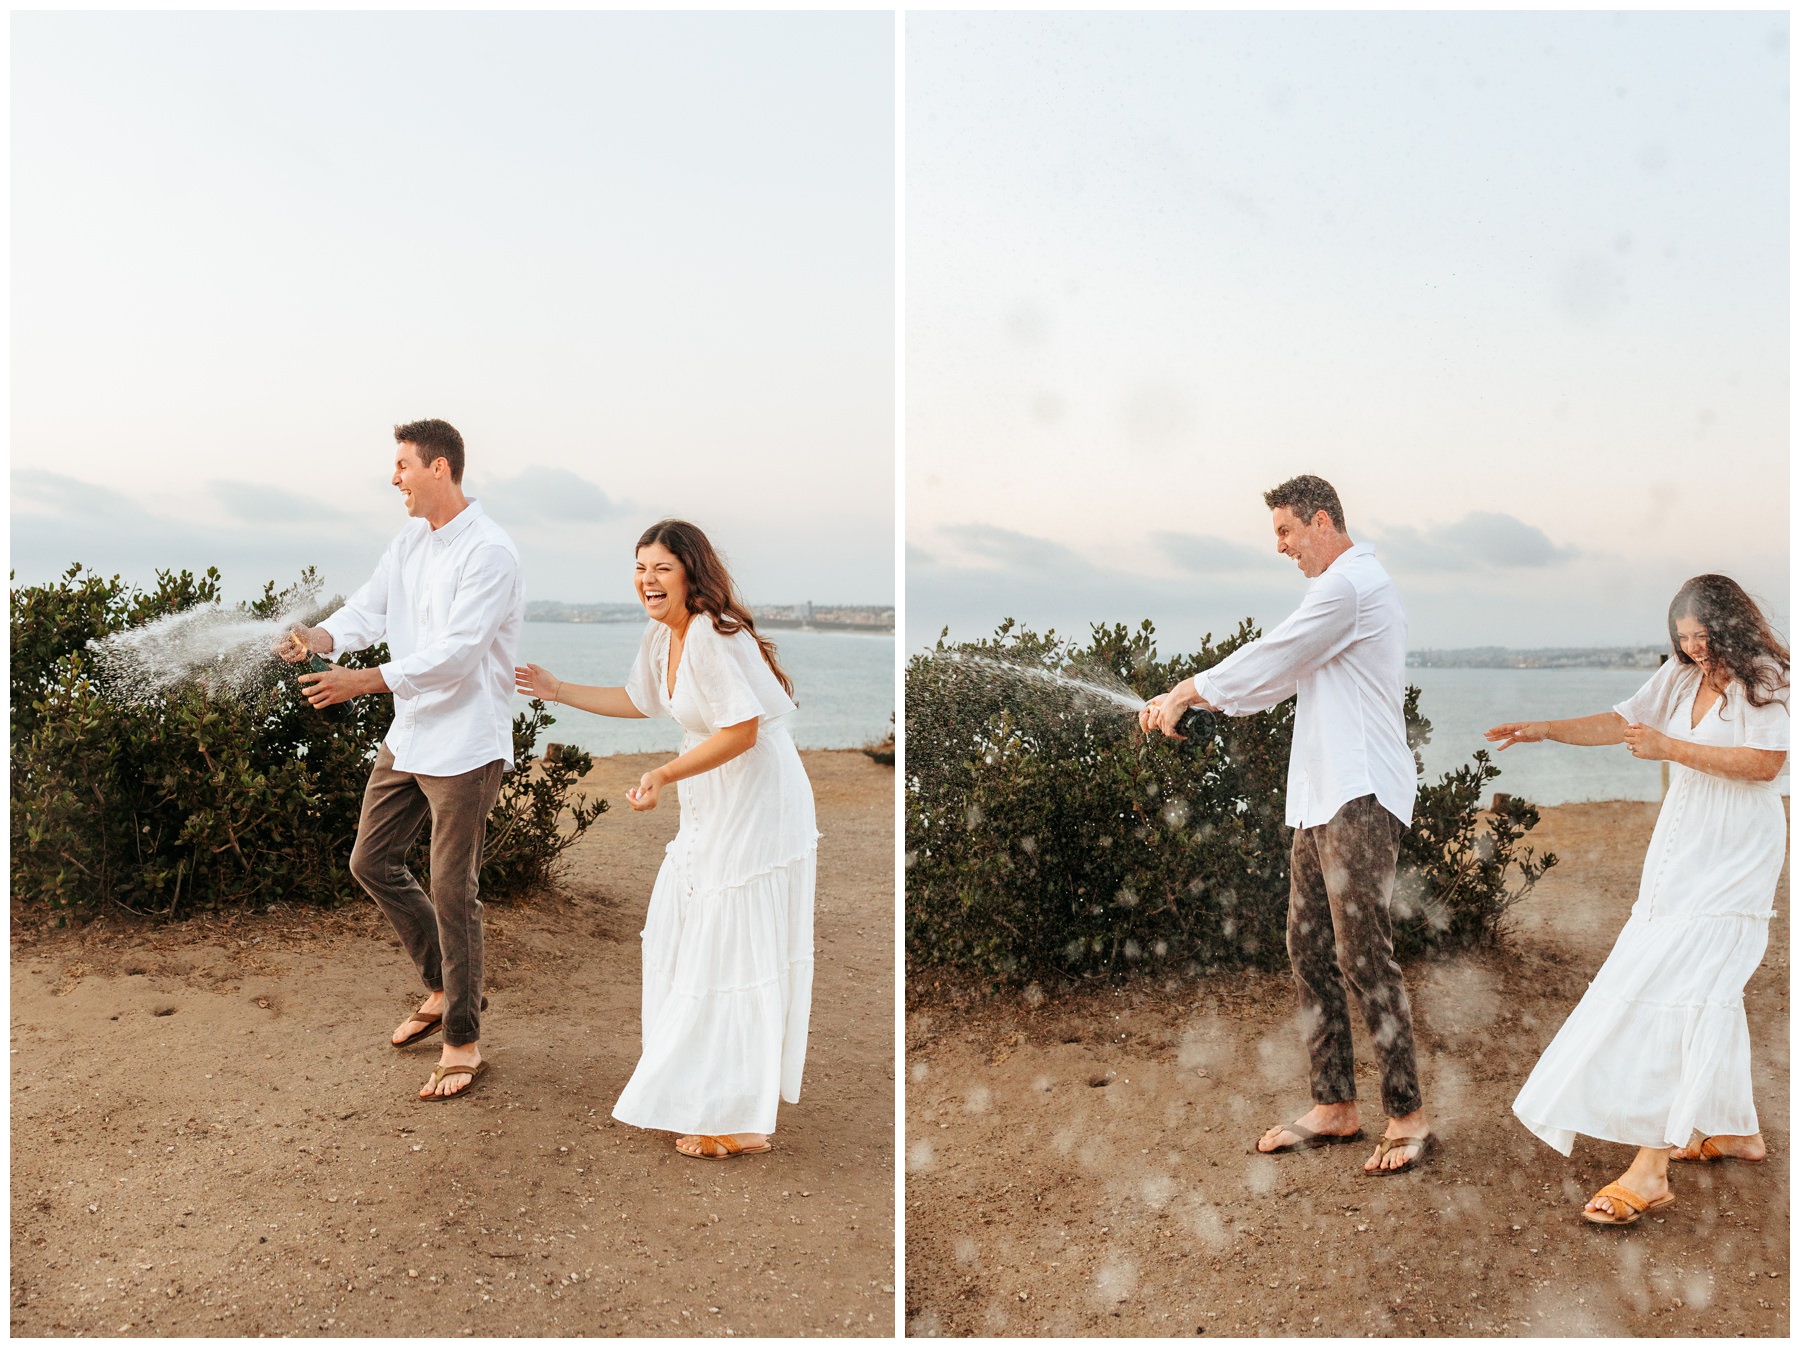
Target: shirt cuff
[(1204, 689), (393, 678), (337, 637)]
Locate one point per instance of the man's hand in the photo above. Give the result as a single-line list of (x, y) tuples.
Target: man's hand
[(1164, 711), (300, 643), (340, 685)]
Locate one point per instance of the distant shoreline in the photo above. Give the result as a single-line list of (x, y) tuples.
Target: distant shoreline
[(1549, 657)]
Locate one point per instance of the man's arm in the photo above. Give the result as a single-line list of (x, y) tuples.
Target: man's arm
[(361, 622), (1268, 671)]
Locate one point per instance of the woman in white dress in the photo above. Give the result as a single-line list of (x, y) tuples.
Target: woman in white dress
[(728, 939), (1657, 1053)]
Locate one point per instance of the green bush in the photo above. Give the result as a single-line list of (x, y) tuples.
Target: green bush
[(195, 803), (1045, 837)]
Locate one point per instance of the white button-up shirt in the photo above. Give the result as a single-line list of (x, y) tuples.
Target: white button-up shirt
[(1343, 653), (451, 604)]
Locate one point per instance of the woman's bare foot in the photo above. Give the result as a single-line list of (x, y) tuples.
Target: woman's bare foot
[(1723, 1147), (717, 1148), (427, 1015)]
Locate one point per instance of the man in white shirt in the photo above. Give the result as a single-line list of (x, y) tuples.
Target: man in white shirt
[(1351, 780), (449, 598)]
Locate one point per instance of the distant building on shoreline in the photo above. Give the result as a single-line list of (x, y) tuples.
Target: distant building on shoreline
[(806, 617), (1550, 657)]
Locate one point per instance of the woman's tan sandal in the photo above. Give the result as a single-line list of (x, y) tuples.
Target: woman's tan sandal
[(1709, 1152), (1423, 1142), (1308, 1139), (444, 1071), (719, 1148), (1635, 1206)]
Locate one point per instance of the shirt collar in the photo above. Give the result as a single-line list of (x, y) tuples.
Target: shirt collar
[(447, 533), (1354, 550)]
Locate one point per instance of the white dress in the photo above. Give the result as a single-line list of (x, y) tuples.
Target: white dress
[(728, 939), (1658, 1047)]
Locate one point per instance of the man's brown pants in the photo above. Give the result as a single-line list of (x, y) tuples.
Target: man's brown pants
[(442, 933), (1339, 930)]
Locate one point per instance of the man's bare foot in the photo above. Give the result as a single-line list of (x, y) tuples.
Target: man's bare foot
[(428, 1014), (1337, 1120), (1410, 1126), (717, 1148), (1722, 1146), (454, 1055)]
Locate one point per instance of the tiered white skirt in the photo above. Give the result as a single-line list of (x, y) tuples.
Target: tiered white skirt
[(728, 952), (1658, 1048)]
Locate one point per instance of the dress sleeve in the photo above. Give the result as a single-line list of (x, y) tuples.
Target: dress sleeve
[(1766, 727), (1650, 704), (719, 677), (640, 684)]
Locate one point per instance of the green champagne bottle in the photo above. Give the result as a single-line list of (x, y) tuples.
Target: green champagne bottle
[(317, 664)]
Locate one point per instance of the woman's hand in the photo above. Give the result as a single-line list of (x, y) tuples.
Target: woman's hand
[(645, 794), (1645, 742), (538, 682), (1518, 732)]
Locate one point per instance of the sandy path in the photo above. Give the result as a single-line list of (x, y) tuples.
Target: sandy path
[(1080, 1165), (209, 1135)]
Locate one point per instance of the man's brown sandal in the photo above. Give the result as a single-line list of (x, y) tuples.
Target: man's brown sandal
[(1387, 1144), (444, 1071), (721, 1148), (1634, 1204), (1308, 1139), (430, 1022)]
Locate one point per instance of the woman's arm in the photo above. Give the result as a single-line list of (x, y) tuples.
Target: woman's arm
[(1606, 727), (1744, 765), (536, 681), (723, 745)]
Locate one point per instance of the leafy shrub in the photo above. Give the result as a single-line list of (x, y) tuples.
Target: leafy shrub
[(197, 803), (1046, 837)]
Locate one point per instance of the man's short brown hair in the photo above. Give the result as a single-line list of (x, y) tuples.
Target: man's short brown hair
[(434, 440), (1306, 496)]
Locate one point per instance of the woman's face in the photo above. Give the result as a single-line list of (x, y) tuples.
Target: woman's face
[(661, 582), (1692, 636)]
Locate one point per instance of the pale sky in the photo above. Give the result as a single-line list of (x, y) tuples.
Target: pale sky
[(1515, 283), (645, 263)]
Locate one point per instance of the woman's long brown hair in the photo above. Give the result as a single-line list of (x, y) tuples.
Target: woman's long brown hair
[(710, 590), (1737, 635)]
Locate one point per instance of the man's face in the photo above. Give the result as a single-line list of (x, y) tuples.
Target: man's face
[(1310, 543), (419, 486)]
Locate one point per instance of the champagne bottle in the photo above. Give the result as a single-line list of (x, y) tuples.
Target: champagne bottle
[(1196, 723), (316, 664)]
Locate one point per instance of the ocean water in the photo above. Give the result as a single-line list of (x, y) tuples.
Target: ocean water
[(1462, 703), (843, 681)]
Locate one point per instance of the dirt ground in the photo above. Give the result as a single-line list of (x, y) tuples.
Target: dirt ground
[(211, 1135), (1082, 1165)]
